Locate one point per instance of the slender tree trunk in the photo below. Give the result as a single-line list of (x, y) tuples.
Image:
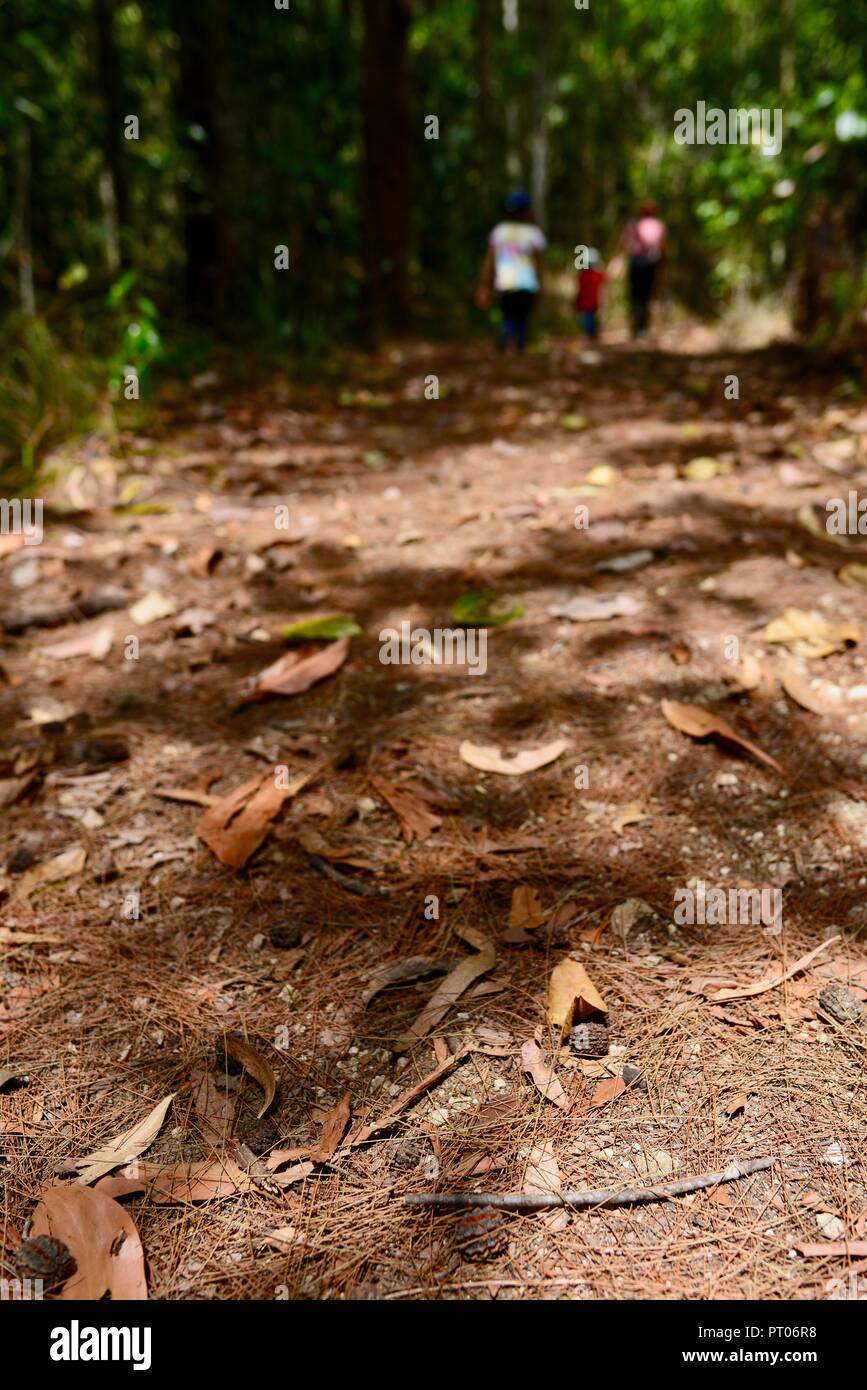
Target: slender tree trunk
[(540, 147), (788, 23), (386, 169), (485, 155), (110, 225), (511, 121), (21, 218), (116, 202), (214, 194)]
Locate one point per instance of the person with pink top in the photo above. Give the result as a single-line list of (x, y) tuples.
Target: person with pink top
[(644, 246)]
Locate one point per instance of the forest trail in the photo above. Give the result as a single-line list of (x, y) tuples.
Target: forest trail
[(362, 496)]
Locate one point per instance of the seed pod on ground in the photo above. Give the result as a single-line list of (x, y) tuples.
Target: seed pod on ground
[(842, 1004), (45, 1258), (480, 1234), (589, 1040)]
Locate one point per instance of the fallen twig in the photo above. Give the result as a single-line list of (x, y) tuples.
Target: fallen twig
[(402, 1103), (750, 991), (351, 885), (598, 1197), (192, 796)]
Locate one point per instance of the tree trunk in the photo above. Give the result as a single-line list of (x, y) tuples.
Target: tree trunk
[(540, 147), (214, 193), (511, 119), (485, 153), (385, 175), (116, 201), (788, 26), (21, 218)]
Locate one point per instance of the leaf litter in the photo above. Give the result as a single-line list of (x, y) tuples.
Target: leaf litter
[(212, 952)]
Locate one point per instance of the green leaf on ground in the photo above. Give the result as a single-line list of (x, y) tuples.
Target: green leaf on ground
[(478, 609), (329, 629)]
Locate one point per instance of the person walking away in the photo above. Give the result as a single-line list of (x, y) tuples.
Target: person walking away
[(589, 292), (644, 244), (513, 269)]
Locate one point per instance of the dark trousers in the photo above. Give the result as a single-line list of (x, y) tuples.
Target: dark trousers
[(516, 307), (589, 322), (642, 274)]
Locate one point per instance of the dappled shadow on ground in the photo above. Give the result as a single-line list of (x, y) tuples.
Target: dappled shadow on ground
[(397, 507)]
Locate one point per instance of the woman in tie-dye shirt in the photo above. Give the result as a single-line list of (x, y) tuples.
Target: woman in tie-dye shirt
[(513, 268)]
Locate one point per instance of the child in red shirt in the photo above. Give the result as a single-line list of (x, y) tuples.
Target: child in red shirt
[(590, 282)]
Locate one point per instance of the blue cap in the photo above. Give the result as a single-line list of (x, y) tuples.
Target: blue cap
[(519, 201)]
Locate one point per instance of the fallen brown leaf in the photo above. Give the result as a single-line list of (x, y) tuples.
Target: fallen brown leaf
[(417, 821), (526, 908), (542, 1072), (491, 760), (572, 995), (235, 826), (190, 1182), (395, 972), (332, 1132), (62, 866), (748, 991), (293, 1175), (295, 671), (452, 986), (12, 789), (102, 1239), (95, 643), (542, 1174), (719, 1196), (475, 1164), (215, 1108), (633, 814), (188, 795), (736, 1103), (700, 723), (563, 915), (813, 1202), (748, 674), (254, 1063), (810, 635), (115, 1186), (609, 1090), (28, 938), (284, 1238), (126, 1146), (24, 1128), (820, 697)]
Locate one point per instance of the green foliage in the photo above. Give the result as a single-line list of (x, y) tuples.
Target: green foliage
[(484, 609), (254, 139), (328, 629), (43, 398), (135, 318)]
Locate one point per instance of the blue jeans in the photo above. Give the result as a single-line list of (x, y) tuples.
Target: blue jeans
[(516, 307), (589, 322)]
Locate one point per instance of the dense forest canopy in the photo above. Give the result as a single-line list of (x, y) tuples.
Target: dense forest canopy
[(154, 157)]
